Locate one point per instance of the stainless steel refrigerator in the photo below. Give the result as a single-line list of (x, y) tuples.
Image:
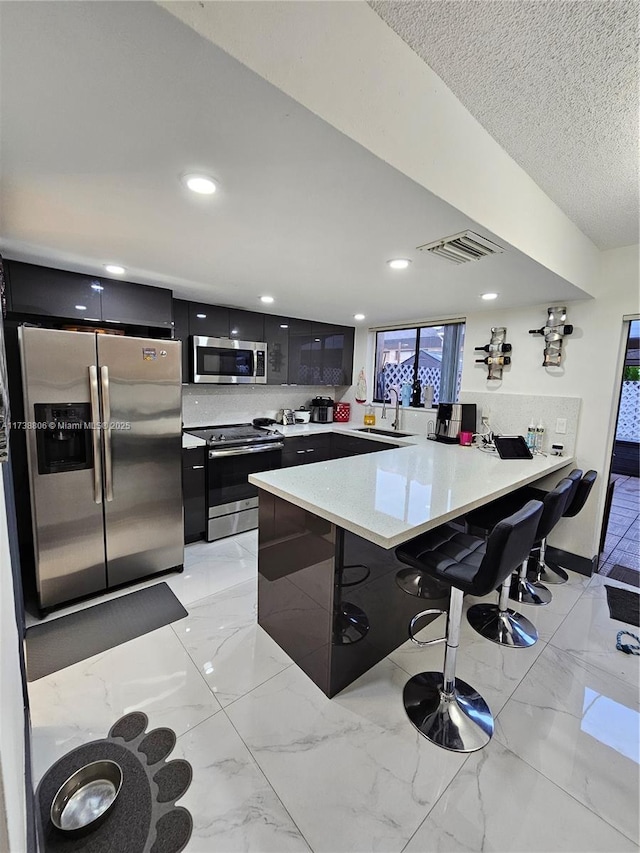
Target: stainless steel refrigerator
[(103, 430)]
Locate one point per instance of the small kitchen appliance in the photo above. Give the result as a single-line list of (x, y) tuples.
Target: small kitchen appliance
[(454, 418), (225, 361), (322, 410), (286, 417)]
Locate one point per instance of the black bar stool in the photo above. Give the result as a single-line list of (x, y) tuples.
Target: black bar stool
[(445, 709), (541, 572), (547, 570), (482, 520)]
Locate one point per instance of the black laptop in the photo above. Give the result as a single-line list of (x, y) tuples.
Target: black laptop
[(512, 447)]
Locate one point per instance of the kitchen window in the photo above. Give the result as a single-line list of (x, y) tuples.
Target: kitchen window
[(431, 354)]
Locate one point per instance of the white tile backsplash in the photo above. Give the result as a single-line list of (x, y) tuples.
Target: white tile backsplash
[(511, 414), (228, 404)]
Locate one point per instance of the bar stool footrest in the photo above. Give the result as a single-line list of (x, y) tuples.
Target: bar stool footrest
[(461, 722)]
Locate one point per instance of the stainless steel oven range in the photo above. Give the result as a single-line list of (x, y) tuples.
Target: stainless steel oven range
[(233, 452)]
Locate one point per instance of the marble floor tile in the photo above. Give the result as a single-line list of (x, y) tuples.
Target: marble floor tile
[(579, 727), (248, 540), (224, 640), (353, 772), (494, 671), (152, 673), (589, 634), (232, 804), (212, 574), (228, 548), (499, 803)]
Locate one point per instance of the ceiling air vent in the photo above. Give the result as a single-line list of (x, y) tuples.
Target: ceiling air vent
[(463, 247)]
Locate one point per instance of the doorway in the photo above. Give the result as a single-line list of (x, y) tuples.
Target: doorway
[(620, 549)]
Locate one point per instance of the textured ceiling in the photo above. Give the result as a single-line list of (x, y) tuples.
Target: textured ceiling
[(105, 105), (556, 85)]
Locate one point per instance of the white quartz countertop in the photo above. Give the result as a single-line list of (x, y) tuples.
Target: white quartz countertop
[(391, 496), (189, 441)]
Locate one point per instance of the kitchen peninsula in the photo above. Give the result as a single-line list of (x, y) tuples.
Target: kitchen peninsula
[(326, 565)]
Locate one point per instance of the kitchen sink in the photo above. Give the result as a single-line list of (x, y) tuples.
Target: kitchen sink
[(389, 432)]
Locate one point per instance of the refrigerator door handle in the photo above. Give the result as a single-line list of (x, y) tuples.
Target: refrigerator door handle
[(106, 414), (95, 433)]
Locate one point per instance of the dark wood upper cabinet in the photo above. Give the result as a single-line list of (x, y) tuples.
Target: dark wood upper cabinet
[(137, 304), (276, 335), (212, 321), (52, 293), (181, 333), (246, 325)]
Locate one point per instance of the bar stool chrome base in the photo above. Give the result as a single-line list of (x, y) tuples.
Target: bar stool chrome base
[(545, 570), (415, 582), (549, 573), (525, 592), (506, 627), (460, 721)]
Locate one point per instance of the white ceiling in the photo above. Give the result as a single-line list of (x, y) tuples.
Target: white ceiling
[(555, 82), (104, 105)]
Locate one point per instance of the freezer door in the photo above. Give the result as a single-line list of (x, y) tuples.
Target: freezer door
[(141, 408), (66, 500)]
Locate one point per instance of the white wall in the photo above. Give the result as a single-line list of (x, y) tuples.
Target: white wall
[(342, 62), (589, 370), (12, 768)]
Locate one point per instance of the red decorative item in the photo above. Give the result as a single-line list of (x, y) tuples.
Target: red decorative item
[(342, 412)]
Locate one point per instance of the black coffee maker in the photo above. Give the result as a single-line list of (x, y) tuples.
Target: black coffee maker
[(322, 410), (454, 418)]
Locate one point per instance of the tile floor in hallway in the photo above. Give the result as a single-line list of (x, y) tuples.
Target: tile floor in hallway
[(622, 543), (279, 767)]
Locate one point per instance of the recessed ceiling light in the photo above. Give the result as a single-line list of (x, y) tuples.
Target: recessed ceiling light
[(201, 184), (81, 307), (358, 316), (399, 263), (201, 316), (266, 299), (115, 269), (489, 295), (284, 325)]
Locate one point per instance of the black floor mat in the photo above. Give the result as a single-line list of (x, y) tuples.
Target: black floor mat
[(625, 575), (144, 809), (624, 605), (69, 639)]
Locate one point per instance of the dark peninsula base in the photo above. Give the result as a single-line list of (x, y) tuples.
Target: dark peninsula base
[(328, 597)]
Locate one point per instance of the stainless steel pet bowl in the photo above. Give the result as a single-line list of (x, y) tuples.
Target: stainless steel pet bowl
[(84, 800)]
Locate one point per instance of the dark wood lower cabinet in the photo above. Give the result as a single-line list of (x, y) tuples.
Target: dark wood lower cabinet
[(193, 493)]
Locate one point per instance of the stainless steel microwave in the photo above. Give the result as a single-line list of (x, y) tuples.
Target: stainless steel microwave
[(225, 361)]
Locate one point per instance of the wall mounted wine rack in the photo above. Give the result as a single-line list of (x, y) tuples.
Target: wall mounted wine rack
[(495, 349)]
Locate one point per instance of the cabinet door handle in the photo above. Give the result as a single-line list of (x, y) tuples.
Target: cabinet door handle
[(301, 451), (196, 467), (311, 450)]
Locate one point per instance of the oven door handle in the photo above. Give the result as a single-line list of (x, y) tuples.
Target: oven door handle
[(242, 451)]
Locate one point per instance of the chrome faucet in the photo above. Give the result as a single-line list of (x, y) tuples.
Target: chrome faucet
[(396, 424)]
